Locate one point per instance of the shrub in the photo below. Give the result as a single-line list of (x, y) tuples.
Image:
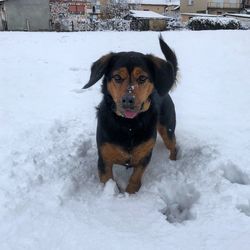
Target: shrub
[(213, 23)]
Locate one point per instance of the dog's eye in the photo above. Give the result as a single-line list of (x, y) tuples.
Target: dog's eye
[(142, 79), (117, 78)]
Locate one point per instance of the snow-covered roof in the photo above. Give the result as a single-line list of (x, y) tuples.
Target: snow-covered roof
[(177, 7), (146, 14), (199, 14), (155, 2), (238, 15)]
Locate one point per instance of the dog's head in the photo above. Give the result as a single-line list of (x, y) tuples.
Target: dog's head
[(131, 77)]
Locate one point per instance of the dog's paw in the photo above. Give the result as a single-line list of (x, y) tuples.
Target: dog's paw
[(133, 188), (173, 154)]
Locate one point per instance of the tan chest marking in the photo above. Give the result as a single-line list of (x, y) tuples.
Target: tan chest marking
[(113, 154)]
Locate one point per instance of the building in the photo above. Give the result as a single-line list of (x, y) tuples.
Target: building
[(147, 20), (158, 6), (69, 15), (219, 7), (41, 15), (3, 21), (24, 15), (193, 6), (211, 7)]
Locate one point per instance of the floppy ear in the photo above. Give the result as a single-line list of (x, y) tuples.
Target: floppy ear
[(98, 69), (164, 74)]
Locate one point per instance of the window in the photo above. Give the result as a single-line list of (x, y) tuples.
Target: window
[(190, 2), (76, 8)]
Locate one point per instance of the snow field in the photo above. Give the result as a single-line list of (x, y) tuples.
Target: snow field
[(50, 195)]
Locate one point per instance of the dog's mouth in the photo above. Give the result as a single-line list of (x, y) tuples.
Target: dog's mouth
[(130, 114), (127, 113), (133, 112)]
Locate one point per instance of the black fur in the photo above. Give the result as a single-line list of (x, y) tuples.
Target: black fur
[(130, 133)]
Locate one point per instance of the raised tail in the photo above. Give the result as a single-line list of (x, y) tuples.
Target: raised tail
[(168, 53)]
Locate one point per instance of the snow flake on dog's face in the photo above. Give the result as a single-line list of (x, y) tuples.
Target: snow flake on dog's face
[(130, 89)]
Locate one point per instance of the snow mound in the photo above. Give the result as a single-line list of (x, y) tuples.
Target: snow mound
[(110, 189), (235, 175)]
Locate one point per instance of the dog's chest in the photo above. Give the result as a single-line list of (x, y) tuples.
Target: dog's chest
[(114, 154)]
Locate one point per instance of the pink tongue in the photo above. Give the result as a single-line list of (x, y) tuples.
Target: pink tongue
[(130, 114)]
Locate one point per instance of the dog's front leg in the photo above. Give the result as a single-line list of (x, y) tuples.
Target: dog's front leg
[(105, 170), (135, 179), (110, 154), (141, 156)]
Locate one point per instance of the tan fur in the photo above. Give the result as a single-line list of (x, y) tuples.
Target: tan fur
[(169, 143), (117, 91), (135, 180), (113, 154), (141, 92)]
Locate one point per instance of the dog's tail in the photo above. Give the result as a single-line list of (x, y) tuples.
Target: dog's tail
[(168, 53)]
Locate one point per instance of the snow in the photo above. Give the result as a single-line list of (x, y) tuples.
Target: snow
[(50, 195), (155, 2), (243, 18), (199, 15), (146, 14), (238, 15), (222, 21)]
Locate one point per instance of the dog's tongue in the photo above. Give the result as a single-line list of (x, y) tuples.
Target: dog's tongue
[(130, 114)]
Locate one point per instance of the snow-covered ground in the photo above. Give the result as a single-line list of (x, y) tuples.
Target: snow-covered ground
[(50, 195)]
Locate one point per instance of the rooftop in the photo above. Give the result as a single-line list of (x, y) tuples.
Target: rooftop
[(155, 2), (146, 14)]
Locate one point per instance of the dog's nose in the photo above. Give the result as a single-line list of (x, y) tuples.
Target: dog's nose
[(128, 101)]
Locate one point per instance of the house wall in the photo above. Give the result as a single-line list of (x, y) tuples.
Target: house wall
[(224, 6), (221, 11), (24, 14), (193, 6), (210, 6), (2, 16), (157, 25), (160, 9), (148, 24), (1, 23)]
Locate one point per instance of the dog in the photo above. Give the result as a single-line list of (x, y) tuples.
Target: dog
[(135, 105)]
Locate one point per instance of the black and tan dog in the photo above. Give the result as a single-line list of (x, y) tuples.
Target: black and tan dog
[(135, 105)]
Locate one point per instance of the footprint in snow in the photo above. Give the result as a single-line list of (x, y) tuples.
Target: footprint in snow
[(235, 175), (74, 69), (245, 209), (180, 202)]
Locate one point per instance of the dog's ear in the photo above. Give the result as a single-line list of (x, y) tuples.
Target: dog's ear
[(98, 69), (164, 72)]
